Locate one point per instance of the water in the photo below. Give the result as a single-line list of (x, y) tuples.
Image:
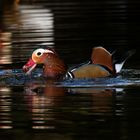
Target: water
[(32, 107)]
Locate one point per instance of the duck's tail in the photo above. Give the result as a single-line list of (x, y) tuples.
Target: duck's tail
[(119, 61), (111, 61)]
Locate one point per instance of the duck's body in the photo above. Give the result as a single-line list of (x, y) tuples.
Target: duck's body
[(90, 71), (101, 64)]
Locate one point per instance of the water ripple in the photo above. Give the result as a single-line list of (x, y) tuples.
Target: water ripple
[(127, 78)]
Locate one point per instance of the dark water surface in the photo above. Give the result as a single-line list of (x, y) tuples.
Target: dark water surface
[(37, 108), (32, 107)]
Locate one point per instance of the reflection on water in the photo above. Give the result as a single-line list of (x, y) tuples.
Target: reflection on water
[(42, 103), (5, 48), (5, 108), (52, 107), (69, 109), (69, 112), (27, 27)]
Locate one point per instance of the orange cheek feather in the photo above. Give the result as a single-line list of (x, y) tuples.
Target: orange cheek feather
[(39, 60)]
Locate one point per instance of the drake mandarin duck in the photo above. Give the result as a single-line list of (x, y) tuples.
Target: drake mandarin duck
[(100, 65)]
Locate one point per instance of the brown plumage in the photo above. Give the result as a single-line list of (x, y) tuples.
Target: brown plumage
[(103, 57), (53, 66)]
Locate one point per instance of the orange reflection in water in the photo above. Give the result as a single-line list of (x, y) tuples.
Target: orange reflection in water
[(26, 25), (46, 101), (42, 101), (5, 48)]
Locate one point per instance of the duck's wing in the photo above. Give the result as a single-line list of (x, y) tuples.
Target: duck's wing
[(79, 65), (102, 57), (69, 73)]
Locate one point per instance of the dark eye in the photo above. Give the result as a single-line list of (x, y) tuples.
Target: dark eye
[(39, 54)]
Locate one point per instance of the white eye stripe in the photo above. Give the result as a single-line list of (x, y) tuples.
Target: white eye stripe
[(48, 51), (39, 52)]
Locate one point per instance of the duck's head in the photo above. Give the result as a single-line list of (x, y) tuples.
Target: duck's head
[(38, 57), (53, 65)]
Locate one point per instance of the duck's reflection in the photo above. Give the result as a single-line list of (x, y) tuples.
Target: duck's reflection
[(101, 99), (50, 107), (48, 103), (43, 102)]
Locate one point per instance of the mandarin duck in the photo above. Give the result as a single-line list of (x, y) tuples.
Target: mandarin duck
[(100, 65)]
